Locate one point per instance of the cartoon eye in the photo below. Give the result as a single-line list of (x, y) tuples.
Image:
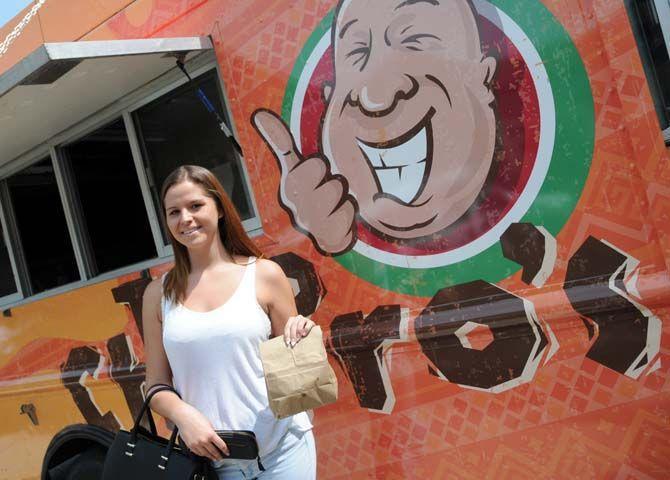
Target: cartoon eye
[(415, 42), (361, 53)]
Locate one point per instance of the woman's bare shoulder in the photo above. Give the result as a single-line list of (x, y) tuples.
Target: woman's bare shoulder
[(154, 291), (269, 271)]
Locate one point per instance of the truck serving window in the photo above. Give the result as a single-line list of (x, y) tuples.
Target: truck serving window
[(107, 199), (42, 228), (7, 282), (177, 129), (650, 21), (83, 205)]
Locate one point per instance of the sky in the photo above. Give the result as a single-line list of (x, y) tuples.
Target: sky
[(9, 8)]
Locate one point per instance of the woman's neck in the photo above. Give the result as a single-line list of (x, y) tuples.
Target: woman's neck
[(208, 258)]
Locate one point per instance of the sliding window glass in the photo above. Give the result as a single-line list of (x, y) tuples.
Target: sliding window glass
[(43, 234), (650, 21), (105, 189), (177, 129), (7, 281)]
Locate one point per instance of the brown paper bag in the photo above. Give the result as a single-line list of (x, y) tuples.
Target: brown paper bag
[(298, 378)]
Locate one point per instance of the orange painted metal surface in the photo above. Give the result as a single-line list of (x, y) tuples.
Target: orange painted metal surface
[(570, 411)]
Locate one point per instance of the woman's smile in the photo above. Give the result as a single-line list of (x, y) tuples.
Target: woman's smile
[(191, 231)]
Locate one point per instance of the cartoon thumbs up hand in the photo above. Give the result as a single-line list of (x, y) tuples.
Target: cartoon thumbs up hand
[(317, 200)]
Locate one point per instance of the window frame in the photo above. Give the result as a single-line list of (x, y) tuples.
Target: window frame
[(123, 108), (663, 12), (252, 225), (5, 230), (662, 8)]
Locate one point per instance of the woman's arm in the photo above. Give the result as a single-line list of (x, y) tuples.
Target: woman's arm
[(196, 431), (275, 296)]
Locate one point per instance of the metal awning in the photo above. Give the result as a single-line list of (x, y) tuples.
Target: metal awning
[(60, 84)]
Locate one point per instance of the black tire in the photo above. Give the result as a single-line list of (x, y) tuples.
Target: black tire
[(86, 465), (76, 452)]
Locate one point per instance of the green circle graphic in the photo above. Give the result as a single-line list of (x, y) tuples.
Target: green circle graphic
[(568, 168)]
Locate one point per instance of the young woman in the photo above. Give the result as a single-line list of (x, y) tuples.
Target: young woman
[(203, 323)]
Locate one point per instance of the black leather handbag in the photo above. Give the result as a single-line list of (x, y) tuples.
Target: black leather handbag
[(142, 454)]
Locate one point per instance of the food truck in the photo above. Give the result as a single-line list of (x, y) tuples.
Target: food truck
[(470, 197)]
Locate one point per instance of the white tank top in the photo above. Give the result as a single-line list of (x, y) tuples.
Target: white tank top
[(216, 364)]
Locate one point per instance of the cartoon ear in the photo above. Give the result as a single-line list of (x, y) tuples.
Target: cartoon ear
[(488, 70), (327, 91)]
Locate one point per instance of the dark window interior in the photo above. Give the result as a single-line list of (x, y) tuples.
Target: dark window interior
[(108, 194), (42, 228), (646, 26), (7, 283), (104, 191)]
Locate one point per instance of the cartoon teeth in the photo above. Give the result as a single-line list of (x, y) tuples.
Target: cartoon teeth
[(400, 169)]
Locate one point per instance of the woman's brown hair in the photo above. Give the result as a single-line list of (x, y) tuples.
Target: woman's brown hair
[(232, 233)]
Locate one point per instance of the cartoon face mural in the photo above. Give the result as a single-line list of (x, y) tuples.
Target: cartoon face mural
[(468, 367), (409, 121), (414, 133), (409, 124)]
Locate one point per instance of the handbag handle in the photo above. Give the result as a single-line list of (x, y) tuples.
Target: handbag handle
[(150, 418), (153, 390), (145, 409), (169, 448)]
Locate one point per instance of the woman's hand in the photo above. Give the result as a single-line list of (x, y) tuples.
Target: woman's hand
[(198, 434), (296, 328)]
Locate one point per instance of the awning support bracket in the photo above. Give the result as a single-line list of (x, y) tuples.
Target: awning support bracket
[(210, 108)]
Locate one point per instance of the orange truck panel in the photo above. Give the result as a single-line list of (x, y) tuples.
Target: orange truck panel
[(494, 288)]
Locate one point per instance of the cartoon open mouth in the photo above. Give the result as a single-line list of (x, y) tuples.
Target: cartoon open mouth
[(402, 165)]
